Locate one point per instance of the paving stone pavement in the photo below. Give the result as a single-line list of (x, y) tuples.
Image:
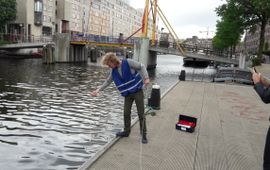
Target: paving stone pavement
[(230, 133)]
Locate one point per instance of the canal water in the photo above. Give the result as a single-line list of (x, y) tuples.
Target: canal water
[(48, 120)]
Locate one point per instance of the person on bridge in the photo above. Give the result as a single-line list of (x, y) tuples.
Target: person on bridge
[(129, 77), (262, 87)]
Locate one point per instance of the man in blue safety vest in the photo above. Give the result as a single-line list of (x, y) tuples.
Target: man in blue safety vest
[(129, 77)]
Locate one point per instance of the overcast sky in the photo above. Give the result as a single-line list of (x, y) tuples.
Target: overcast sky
[(188, 17)]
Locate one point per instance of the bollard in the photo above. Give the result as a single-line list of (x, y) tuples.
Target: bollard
[(154, 101), (182, 75)]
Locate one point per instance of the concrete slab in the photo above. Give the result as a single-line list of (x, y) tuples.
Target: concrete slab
[(232, 124)]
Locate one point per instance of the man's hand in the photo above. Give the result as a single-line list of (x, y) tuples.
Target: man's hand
[(146, 81), (95, 93), (256, 77)]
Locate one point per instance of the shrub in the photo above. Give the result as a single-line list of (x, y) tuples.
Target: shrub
[(256, 61), (3, 42)]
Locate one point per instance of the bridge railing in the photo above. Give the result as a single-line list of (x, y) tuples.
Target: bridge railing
[(194, 48), (101, 38), (19, 38)]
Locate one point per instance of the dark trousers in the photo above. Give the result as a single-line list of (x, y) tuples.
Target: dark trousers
[(139, 101), (266, 157)]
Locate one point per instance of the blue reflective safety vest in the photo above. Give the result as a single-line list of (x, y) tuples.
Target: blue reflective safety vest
[(127, 83)]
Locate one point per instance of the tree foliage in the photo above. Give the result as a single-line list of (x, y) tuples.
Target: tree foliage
[(8, 12), (229, 28), (246, 14)]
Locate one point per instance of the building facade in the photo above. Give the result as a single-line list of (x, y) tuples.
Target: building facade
[(72, 16), (252, 40), (114, 17), (98, 17), (33, 18), (49, 17)]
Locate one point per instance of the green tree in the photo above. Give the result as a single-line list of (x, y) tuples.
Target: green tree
[(229, 28), (251, 13), (8, 12)]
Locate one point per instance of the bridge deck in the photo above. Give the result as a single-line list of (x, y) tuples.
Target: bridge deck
[(194, 55), (24, 45), (103, 44), (230, 134)]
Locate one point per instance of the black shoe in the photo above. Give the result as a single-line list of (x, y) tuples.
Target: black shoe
[(144, 140), (122, 134)]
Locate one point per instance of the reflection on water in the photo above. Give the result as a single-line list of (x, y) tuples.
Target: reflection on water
[(48, 119)]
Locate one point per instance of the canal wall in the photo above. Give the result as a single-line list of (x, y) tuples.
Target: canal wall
[(65, 52), (143, 55), (62, 47)]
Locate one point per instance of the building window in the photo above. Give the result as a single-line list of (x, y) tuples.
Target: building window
[(38, 6), (46, 31)]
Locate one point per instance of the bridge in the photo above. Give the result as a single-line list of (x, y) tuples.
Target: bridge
[(24, 45), (194, 54), (16, 41), (19, 45), (190, 51)]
